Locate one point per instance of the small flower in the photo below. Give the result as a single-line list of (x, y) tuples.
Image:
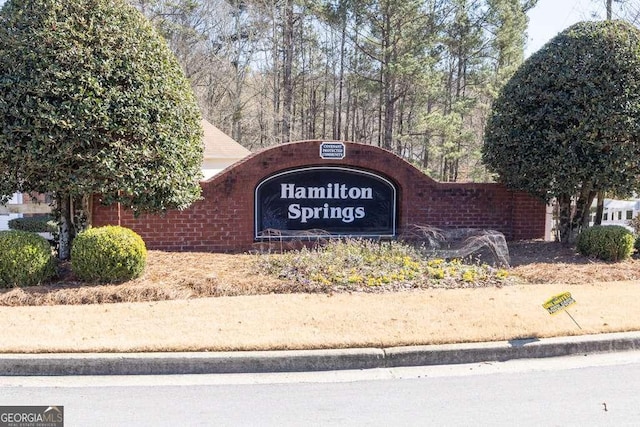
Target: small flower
[(435, 262), (469, 276), (502, 274), (436, 273)]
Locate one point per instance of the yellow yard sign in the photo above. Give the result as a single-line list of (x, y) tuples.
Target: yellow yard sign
[(559, 303)]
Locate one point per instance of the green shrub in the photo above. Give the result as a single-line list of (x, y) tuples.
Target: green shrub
[(635, 224), (25, 259), (609, 242), (36, 224), (108, 254)]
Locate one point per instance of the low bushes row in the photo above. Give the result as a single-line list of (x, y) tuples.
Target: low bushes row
[(36, 224), (114, 254), (105, 255)]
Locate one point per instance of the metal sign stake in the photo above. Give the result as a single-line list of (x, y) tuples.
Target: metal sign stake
[(574, 320)]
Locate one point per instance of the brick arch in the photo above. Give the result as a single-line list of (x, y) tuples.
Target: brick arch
[(224, 219)]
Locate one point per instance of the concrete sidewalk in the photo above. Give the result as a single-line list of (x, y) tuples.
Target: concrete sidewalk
[(308, 360)]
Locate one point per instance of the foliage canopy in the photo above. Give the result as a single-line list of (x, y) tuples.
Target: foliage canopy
[(93, 101), (567, 124)]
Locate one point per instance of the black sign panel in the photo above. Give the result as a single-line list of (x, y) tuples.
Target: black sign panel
[(325, 200)]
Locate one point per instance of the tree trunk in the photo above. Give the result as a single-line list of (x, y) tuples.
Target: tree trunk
[(425, 148), (276, 86), (389, 116), (380, 104), (388, 84), (66, 226), (572, 220), (564, 218), (599, 209), (583, 206), (347, 109), (343, 39), (287, 63)]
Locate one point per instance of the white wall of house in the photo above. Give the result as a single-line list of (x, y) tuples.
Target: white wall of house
[(6, 217), (618, 212), (212, 167), (16, 199)]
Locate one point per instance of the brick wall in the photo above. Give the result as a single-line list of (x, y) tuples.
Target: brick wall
[(223, 220)]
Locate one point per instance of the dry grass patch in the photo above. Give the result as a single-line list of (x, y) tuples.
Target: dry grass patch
[(312, 321)]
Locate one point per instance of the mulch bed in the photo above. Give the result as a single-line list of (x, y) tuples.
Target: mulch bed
[(172, 275)]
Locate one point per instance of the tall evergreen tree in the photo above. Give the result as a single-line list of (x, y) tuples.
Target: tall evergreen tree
[(93, 101), (567, 124)]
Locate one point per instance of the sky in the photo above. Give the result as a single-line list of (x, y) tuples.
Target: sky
[(550, 17)]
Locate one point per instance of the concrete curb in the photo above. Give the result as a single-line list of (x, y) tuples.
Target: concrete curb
[(515, 349), (308, 360)]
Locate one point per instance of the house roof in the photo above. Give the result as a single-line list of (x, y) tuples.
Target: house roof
[(620, 204), (218, 145)]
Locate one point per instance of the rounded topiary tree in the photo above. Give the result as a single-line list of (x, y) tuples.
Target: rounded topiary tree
[(93, 101), (25, 259), (567, 124), (108, 254)]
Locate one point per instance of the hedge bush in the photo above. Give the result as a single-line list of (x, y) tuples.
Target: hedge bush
[(608, 242), (36, 224), (635, 224), (25, 259), (108, 254)]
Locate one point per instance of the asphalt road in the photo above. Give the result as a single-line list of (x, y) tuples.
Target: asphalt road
[(590, 390)]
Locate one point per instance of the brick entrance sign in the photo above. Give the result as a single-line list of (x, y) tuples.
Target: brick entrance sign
[(315, 188)]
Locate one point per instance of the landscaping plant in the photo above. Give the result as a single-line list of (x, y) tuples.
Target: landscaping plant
[(607, 242), (25, 259), (567, 124), (35, 224), (368, 265), (108, 254), (92, 101)]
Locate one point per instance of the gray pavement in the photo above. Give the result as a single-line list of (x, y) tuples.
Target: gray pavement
[(309, 360)]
